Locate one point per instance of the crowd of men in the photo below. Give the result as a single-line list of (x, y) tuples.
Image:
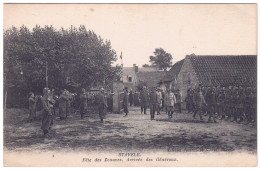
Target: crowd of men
[(227, 103), (59, 105), (155, 99)]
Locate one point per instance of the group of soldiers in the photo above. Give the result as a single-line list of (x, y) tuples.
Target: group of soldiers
[(229, 103), (235, 103), (155, 99), (50, 102)]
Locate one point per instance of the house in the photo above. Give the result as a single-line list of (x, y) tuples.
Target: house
[(134, 77), (216, 71), (171, 76), (151, 78), (129, 76)]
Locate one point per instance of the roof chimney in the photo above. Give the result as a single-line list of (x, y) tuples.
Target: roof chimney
[(135, 68)]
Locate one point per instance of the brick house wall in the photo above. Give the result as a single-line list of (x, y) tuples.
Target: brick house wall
[(186, 79)]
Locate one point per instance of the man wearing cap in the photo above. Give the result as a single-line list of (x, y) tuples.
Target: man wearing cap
[(125, 102), (153, 102), (159, 100), (102, 105), (63, 104), (144, 99)]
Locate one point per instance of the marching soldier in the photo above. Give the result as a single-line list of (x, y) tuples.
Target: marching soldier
[(102, 104), (144, 99), (163, 98), (47, 116), (136, 99), (159, 101), (199, 101), (68, 103), (233, 103), (221, 103), (239, 98), (153, 103), (228, 99), (63, 104), (125, 102), (131, 97), (248, 104), (210, 100), (170, 100)]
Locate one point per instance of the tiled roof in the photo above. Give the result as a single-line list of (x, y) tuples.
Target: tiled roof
[(173, 72), (128, 71), (225, 70), (152, 78)]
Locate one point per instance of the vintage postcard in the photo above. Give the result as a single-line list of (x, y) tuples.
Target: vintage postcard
[(130, 85)]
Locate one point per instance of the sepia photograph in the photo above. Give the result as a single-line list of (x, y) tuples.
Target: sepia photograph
[(129, 85)]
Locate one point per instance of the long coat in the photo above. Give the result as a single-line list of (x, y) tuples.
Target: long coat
[(136, 99), (125, 102), (198, 99), (102, 105), (170, 99), (144, 98), (159, 98), (47, 116), (63, 105)]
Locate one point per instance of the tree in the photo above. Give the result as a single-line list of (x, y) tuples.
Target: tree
[(146, 65), (75, 52), (161, 59)]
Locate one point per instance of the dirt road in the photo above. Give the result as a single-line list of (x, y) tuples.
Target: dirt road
[(135, 132)]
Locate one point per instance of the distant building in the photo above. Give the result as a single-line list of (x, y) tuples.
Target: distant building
[(169, 79), (216, 71), (129, 77), (134, 77), (150, 79)]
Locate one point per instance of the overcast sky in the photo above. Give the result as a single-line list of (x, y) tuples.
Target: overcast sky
[(136, 30)]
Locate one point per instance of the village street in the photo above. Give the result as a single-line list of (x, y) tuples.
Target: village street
[(133, 133)]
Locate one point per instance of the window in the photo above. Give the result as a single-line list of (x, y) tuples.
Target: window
[(129, 78)]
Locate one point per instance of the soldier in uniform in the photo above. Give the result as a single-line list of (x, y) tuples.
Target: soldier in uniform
[(136, 98), (170, 100), (210, 100), (125, 102), (221, 103), (102, 104), (233, 103), (47, 116), (68, 103), (199, 101), (52, 103), (63, 104), (153, 102), (178, 101), (131, 97), (32, 106), (228, 99), (163, 98), (248, 104), (238, 112), (83, 101), (159, 100), (144, 99)]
